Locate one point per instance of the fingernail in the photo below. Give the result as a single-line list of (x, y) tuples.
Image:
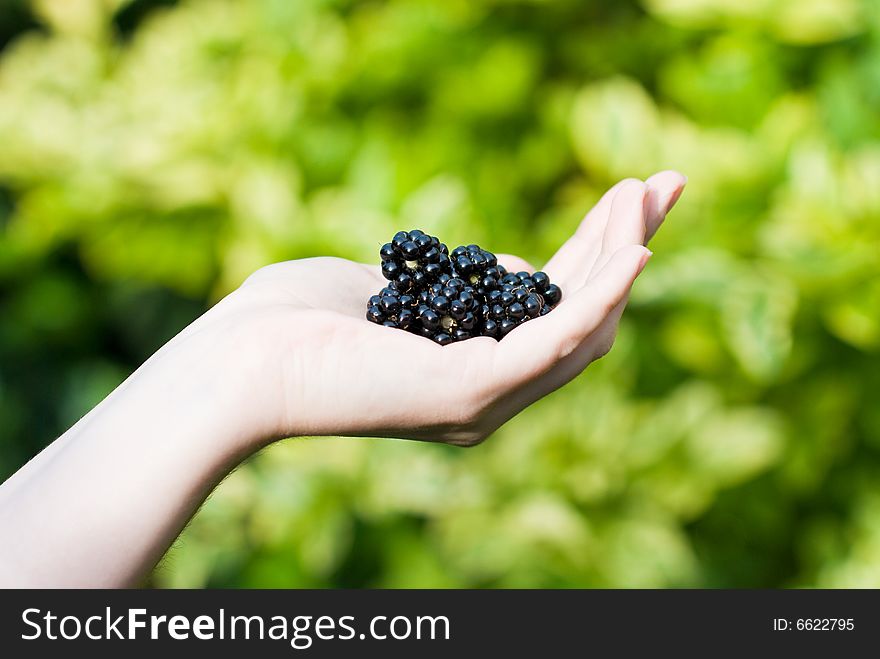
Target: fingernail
[(645, 258)]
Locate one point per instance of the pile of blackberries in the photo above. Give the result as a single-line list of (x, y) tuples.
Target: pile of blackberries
[(454, 296)]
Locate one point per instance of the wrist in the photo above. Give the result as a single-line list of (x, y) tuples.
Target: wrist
[(218, 383), (241, 366)]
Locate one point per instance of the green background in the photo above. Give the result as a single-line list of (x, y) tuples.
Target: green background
[(152, 154)]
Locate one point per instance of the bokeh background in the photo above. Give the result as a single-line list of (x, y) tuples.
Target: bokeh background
[(154, 153)]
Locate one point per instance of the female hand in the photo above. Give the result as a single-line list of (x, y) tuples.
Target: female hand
[(324, 370), (290, 353)]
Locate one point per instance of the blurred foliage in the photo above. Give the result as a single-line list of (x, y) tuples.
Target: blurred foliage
[(152, 154)]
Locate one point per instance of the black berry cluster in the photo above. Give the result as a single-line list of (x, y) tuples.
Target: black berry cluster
[(413, 259), (519, 298), (450, 297)]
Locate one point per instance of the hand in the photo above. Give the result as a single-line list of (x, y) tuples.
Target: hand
[(290, 353), (323, 369)]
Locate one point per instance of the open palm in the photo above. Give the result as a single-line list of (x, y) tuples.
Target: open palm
[(326, 370), (290, 353)]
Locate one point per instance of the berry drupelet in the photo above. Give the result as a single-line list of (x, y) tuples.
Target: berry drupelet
[(413, 259)]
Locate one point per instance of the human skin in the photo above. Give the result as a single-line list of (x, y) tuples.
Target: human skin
[(289, 353)]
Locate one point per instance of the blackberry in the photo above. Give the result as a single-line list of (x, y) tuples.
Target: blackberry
[(519, 298), (452, 297), (448, 310), (477, 267), (391, 308), (413, 259)]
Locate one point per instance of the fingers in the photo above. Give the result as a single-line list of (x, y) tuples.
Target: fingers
[(514, 263), (664, 189), (573, 262), (580, 251), (536, 347), (625, 225)]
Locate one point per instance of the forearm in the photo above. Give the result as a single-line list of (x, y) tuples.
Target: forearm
[(101, 504), (290, 353)]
